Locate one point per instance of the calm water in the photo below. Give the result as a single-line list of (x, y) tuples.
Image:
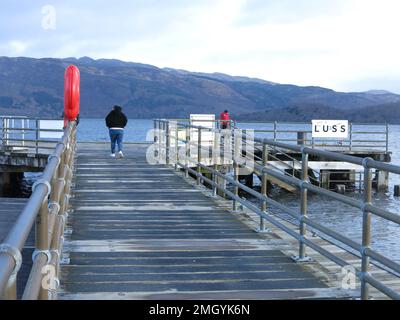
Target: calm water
[(342, 218)]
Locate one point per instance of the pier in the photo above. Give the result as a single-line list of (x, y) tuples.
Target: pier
[(170, 222), (25, 145), (142, 232)]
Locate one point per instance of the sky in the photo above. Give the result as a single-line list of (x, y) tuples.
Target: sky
[(345, 45)]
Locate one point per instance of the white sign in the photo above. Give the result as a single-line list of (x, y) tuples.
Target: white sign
[(51, 125), (203, 120), (330, 129)]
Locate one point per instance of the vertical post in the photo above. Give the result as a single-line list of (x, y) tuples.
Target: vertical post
[(155, 138), (164, 142), (23, 131), (387, 137), (275, 130), (366, 230), (187, 153), (264, 185), (37, 135), (168, 143), (10, 292), (237, 139), (301, 138), (351, 136), (216, 151), (303, 206), (155, 131), (159, 141), (199, 156), (42, 238), (4, 133), (176, 146)]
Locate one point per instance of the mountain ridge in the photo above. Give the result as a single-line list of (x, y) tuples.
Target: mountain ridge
[(34, 87)]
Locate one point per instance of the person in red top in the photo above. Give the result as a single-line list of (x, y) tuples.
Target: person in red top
[(225, 119)]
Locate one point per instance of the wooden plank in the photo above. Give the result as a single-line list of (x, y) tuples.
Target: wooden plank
[(161, 238)]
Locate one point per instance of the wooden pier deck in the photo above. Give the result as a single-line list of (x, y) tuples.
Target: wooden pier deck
[(142, 232)]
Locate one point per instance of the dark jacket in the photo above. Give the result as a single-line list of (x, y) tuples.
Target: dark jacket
[(116, 119)]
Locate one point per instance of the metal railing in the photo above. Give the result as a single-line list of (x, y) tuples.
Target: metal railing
[(23, 134), (362, 136), (47, 209), (167, 131)]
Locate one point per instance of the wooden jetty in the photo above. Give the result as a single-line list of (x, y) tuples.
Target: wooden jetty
[(105, 228), (142, 232)]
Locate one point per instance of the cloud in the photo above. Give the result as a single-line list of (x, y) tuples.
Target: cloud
[(288, 11), (337, 44), (15, 47)]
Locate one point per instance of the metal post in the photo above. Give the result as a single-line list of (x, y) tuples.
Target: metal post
[(387, 137), (155, 128), (216, 151), (42, 237), (155, 138), (163, 143), (10, 292), (264, 185), (301, 138), (159, 140), (237, 139), (351, 136), (275, 130), (37, 136), (23, 131), (199, 156), (168, 143), (176, 146), (366, 231), (303, 209), (187, 153), (4, 133)]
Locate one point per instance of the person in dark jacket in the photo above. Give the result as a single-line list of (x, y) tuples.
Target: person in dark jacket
[(116, 121)]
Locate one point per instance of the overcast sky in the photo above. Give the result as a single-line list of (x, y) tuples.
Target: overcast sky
[(347, 45)]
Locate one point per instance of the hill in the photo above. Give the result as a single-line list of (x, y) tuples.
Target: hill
[(34, 87)]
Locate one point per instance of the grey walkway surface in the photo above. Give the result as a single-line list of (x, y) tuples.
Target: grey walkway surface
[(142, 232)]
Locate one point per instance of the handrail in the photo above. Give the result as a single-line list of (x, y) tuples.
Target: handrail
[(302, 220), (48, 206), (24, 132), (376, 137)]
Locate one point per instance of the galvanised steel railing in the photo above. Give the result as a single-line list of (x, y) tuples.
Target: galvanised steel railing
[(167, 131), (48, 206), (25, 134), (361, 135)]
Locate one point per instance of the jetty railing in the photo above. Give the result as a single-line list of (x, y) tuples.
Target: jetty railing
[(174, 149), (47, 209), (361, 135), (29, 135)]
